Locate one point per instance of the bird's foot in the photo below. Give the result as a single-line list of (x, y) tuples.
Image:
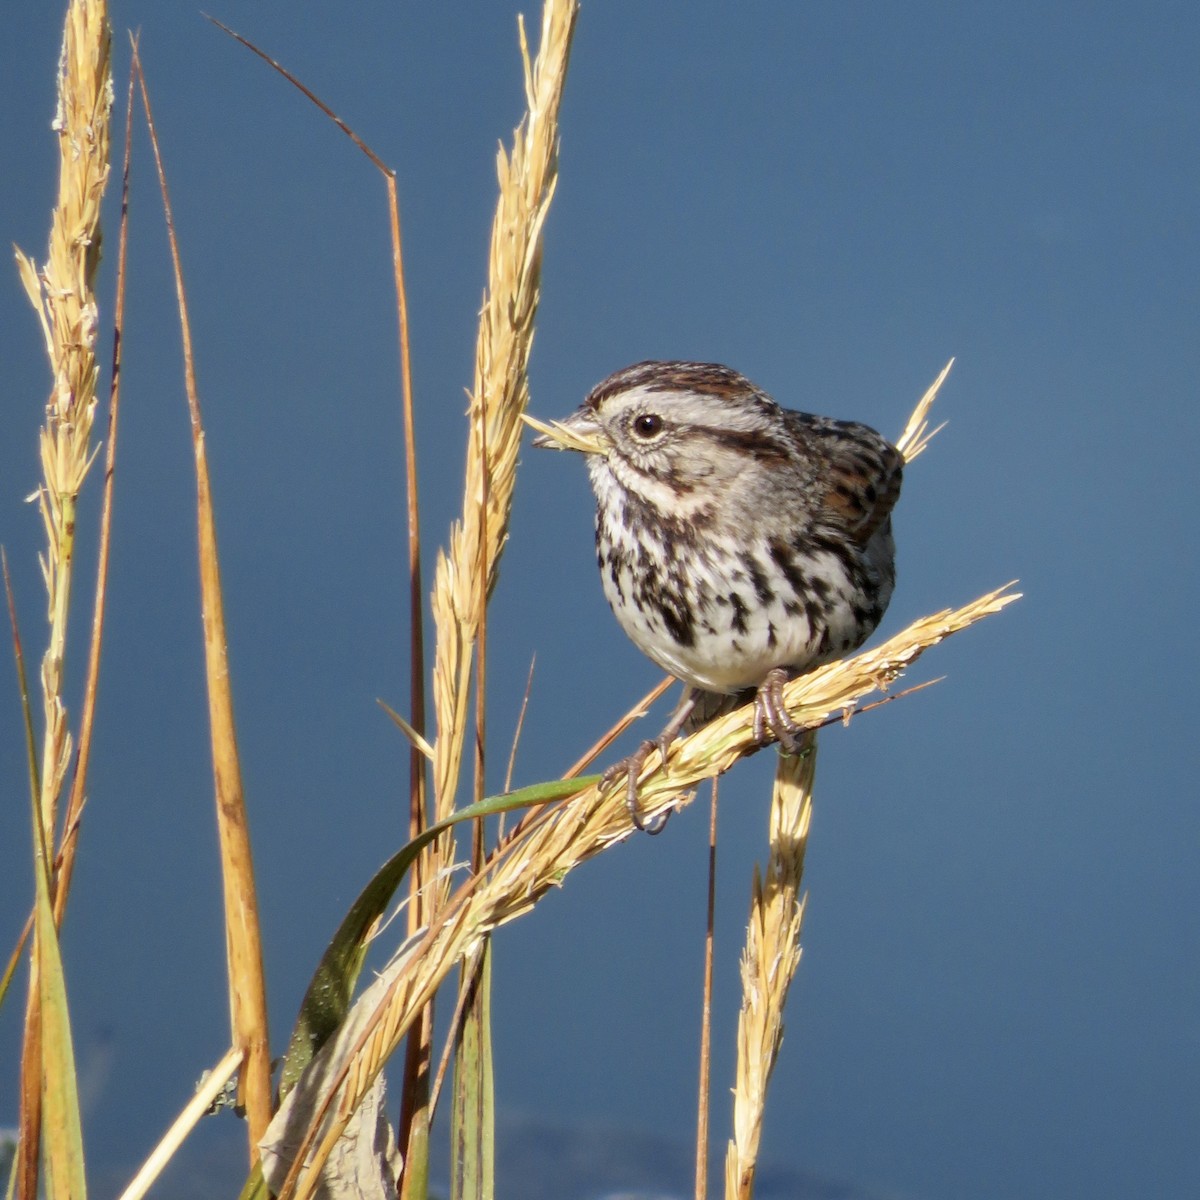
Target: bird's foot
[(771, 717), (631, 768)]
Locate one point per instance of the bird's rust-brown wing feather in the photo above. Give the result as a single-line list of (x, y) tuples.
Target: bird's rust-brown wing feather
[(864, 474)]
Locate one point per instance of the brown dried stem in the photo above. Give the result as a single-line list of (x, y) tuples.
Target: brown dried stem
[(415, 1086), (416, 589), (704, 1089)]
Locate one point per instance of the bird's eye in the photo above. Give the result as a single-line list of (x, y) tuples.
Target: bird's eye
[(647, 425)]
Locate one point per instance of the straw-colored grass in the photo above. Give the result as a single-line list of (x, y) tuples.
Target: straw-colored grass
[(545, 847), (62, 292), (247, 987), (547, 850), (467, 570), (769, 961)]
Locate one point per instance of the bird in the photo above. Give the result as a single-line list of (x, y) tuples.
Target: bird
[(739, 543)]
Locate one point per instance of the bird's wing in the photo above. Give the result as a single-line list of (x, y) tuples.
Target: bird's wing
[(864, 474)]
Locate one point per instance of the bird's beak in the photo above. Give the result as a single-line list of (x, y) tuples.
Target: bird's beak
[(578, 432)]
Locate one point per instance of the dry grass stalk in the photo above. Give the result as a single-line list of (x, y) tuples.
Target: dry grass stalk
[(243, 939), (416, 594), (917, 434), (769, 962), (69, 843), (550, 848), (466, 571), (416, 1067), (500, 392), (63, 294), (201, 1101)]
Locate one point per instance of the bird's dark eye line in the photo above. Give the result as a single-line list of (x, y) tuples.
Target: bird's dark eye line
[(647, 425)]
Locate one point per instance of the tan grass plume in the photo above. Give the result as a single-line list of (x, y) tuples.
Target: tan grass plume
[(769, 961), (467, 570), (63, 294)]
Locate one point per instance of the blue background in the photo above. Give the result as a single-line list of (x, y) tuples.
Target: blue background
[(999, 995)]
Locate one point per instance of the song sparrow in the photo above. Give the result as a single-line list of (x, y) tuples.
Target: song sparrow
[(739, 543)]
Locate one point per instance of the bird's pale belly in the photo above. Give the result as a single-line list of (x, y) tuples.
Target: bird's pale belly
[(724, 631)]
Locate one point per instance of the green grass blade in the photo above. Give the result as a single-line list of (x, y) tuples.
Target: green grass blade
[(415, 1183), (327, 999), (62, 1136), (255, 1188), (473, 1126)]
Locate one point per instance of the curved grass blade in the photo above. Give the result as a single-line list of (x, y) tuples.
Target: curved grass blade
[(327, 999)]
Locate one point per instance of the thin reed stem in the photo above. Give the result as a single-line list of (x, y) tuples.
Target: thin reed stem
[(704, 1089)]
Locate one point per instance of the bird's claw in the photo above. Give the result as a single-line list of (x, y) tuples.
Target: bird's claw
[(631, 768), (771, 717)]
